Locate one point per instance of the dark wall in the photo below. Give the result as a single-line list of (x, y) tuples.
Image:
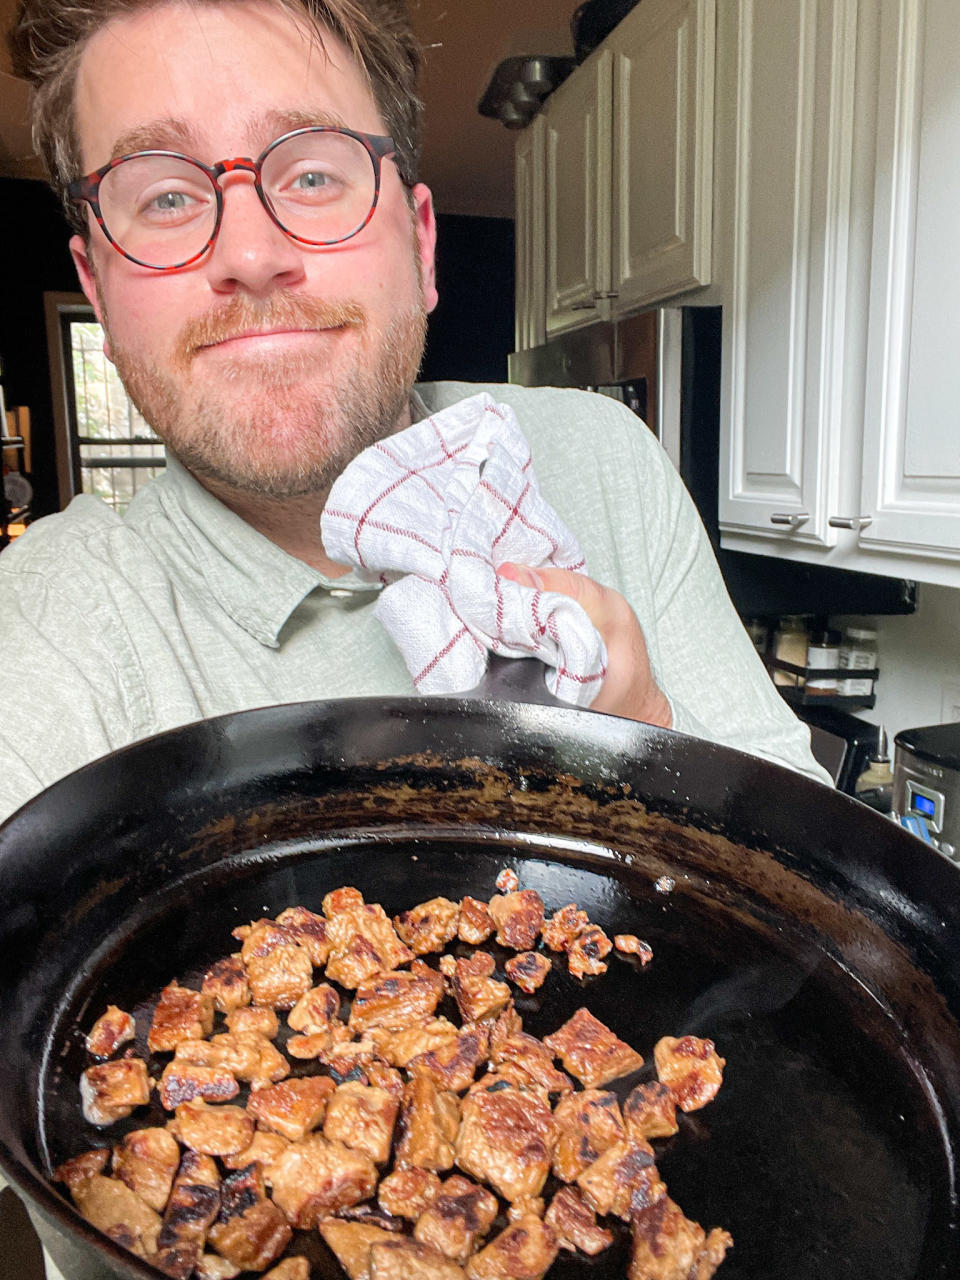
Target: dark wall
[(33, 259), (471, 331)]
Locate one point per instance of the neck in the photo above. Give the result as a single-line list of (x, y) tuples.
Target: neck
[(293, 524)]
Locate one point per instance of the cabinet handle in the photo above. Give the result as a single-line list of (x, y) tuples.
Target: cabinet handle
[(849, 522), (793, 519), (583, 306), (600, 296)]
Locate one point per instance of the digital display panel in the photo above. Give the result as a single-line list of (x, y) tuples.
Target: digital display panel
[(924, 805)]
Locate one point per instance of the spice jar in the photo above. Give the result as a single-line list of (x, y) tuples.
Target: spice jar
[(790, 645), (823, 654), (858, 652)]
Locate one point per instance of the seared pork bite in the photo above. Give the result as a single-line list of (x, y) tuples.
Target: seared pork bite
[(429, 1121), (289, 1269), (398, 1048), (316, 1010), (226, 982), (476, 991), (111, 1207), (591, 1052), (406, 1193), (111, 1090), (507, 881), (429, 926), (363, 942), (309, 930), (623, 1179), (182, 1081), (518, 917), (193, 1205), (403, 998), (457, 1218), (254, 1019), (528, 970), (147, 1161), (73, 1172), (589, 1122), (352, 1243), (362, 1117), (249, 1230), (455, 1063), (314, 1178), (213, 1131), (109, 1032), (527, 1062), (293, 1107), (668, 1246), (575, 1223), (407, 1260), (564, 927), (690, 1068), (263, 1149), (506, 1139), (524, 1251), (585, 953), (476, 923), (630, 945), (650, 1111), (181, 1014)]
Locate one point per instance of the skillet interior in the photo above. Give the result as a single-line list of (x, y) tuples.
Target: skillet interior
[(829, 1152)]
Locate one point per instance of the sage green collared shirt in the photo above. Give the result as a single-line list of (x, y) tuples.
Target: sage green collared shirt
[(114, 628)]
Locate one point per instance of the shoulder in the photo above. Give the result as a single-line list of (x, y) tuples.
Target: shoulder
[(52, 543)]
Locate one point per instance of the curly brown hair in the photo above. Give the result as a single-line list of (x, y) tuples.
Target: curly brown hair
[(49, 36)]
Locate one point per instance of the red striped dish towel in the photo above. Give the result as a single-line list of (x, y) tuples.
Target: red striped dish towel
[(430, 512)]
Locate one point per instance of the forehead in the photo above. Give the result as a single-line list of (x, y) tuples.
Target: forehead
[(212, 77)]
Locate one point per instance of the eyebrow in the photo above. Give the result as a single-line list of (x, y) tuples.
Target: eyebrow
[(171, 134)]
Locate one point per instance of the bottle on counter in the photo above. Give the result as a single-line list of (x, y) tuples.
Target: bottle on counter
[(823, 653), (790, 645), (858, 652)]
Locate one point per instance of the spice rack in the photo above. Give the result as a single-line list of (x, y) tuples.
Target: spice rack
[(799, 696)]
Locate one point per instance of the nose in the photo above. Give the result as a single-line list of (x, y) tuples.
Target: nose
[(251, 252)]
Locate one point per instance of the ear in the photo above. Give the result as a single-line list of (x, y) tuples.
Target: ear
[(425, 225), (83, 261)]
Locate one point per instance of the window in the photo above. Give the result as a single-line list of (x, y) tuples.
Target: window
[(104, 447)]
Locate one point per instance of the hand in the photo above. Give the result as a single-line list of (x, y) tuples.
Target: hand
[(629, 688)]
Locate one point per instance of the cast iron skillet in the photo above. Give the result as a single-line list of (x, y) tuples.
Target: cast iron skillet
[(815, 942)]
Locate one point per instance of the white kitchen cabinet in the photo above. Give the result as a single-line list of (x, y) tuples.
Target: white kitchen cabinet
[(911, 429), (529, 238), (841, 378), (628, 172), (791, 357)]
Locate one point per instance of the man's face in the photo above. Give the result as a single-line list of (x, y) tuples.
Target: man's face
[(267, 365)]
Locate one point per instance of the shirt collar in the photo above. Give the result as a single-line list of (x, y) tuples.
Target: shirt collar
[(254, 581)]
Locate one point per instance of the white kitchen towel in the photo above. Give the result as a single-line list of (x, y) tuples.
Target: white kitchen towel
[(431, 512)]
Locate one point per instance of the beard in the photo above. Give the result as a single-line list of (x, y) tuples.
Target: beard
[(269, 430)]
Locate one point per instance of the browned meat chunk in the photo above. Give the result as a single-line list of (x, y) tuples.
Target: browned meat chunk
[(458, 1217), (210, 1266), (226, 982), (476, 923), (362, 1117), (630, 945), (506, 1138), (622, 1180), (308, 1047), (82, 1167), (404, 1259), (111, 1207), (454, 1064), (400, 1047), (147, 1161), (564, 926), (362, 943), (352, 1242), (109, 1032), (591, 1052), (585, 953), (690, 1068), (290, 1269), (279, 976), (507, 881), (254, 1019), (528, 970), (293, 1107), (340, 900), (183, 1081), (589, 1123), (192, 1207), (518, 917), (477, 993), (309, 929), (524, 1251), (507, 1023), (314, 1178), (263, 1149), (250, 1230), (429, 926), (575, 1223), (405, 1193), (181, 1014), (526, 1061), (213, 1131), (668, 1246), (316, 1010), (110, 1090), (650, 1111), (429, 1119), (384, 1077), (247, 1055), (404, 998)]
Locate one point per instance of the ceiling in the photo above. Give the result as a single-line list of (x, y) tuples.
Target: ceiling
[(468, 159)]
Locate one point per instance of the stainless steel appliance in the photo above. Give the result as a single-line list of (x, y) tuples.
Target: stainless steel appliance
[(926, 784)]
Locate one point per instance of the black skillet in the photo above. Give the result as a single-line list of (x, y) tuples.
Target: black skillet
[(814, 941)]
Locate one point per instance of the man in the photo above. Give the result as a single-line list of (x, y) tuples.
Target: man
[(269, 329)]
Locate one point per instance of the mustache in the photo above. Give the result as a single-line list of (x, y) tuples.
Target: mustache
[(283, 309)]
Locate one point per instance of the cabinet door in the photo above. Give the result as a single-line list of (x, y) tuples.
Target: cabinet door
[(911, 457), (530, 236), (577, 124), (788, 359), (662, 149)]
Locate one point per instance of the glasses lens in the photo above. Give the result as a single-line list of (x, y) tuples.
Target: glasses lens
[(160, 210), (320, 186)]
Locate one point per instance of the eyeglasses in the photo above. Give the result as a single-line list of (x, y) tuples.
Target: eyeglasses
[(163, 210)]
